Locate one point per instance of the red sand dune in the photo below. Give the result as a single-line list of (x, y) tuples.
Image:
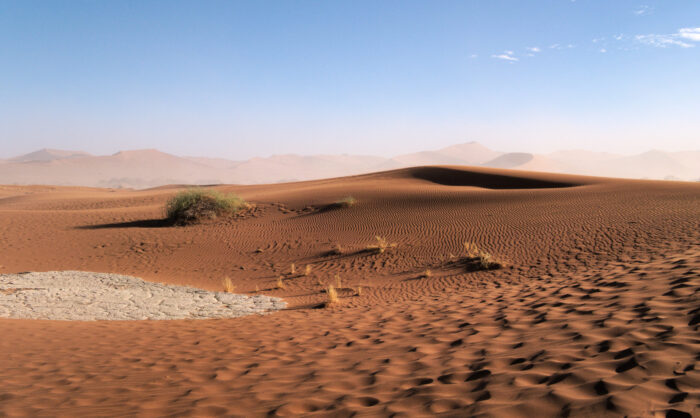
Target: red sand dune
[(596, 313)]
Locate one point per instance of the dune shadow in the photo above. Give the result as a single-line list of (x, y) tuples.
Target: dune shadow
[(456, 177), (144, 223), (472, 264), (319, 209), (326, 208), (332, 255), (318, 305)]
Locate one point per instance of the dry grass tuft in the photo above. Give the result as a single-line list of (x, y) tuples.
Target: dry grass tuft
[(338, 283), (257, 289), (332, 295), (307, 270), (228, 285), (337, 250), (487, 262), (280, 283), (427, 273), (381, 245), (480, 260), (292, 269), (471, 250), (358, 291)]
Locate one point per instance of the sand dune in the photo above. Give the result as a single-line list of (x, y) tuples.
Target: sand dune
[(470, 153), (151, 168), (596, 313), (285, 168), (47, 154)]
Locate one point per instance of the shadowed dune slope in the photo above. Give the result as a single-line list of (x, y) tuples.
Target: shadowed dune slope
[(595, 314), (494, 178)]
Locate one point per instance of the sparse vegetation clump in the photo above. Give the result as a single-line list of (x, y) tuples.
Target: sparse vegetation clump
[(471, 250), (346, 202), (228, 285), (280, 283), (332, 295), (381, 245), (338, 282), (480, 260), (487, 262), (337, 249), (194, 205), (427, 273), (307, 270)]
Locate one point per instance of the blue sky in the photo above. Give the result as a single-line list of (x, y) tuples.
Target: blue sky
[(243, 79)]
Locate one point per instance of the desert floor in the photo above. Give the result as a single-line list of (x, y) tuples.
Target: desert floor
[(597, 312)]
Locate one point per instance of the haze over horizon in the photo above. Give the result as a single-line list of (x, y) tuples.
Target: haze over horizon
[(151, 168), (143, 150), (240, 80)]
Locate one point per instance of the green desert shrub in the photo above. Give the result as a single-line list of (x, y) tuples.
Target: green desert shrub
[(194, 205)]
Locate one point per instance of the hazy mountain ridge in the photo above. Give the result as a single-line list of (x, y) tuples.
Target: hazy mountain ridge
[(47, 154), (150, 167)]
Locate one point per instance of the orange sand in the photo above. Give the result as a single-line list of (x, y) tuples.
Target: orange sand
[(597, 313)]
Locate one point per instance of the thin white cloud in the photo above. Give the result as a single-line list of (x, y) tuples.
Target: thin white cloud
[(560, 46), (506, 56), (643, 10), (683, 38), (692, 34), (662, 41), (472, 56)]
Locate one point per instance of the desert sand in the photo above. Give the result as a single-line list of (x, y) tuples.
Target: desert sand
[(595, 314)]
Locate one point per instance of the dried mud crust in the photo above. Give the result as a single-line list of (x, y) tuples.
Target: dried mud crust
[(86, 296)]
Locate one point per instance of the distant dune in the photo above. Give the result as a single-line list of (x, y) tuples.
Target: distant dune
[(48, 155), (151, 168)]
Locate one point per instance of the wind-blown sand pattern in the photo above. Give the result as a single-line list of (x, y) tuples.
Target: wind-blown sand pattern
[(87, 296), (595, 315)]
